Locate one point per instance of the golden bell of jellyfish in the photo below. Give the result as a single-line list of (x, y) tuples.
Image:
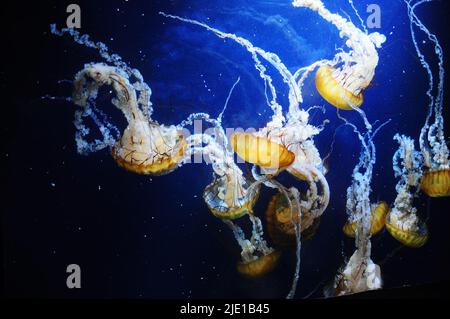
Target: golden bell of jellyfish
[(259, 267), (280, 226), (261, 151), (227, 199), (377, 220), (148, 148), (436, 183), (333, 92), (409, 238)]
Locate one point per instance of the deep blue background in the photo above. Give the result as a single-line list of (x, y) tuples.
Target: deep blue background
[(136, 236)]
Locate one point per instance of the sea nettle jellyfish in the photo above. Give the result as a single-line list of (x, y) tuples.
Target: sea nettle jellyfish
[(145, 146), (361, 273), (281, 221), (281, 145), (436, 175), (402, 222), (341, 82)]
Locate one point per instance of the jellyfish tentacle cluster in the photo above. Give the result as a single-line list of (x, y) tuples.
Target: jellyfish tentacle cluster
[(350, 73), (436, 176), (402, 222)]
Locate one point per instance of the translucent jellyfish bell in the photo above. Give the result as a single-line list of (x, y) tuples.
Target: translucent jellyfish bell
[(436, 183), (149, 148), (377, 220), (145, 146), (228, 198)]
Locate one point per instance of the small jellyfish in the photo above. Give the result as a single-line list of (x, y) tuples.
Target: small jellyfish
[(261, 151), (257, 258), (377, 220), (402, 222)]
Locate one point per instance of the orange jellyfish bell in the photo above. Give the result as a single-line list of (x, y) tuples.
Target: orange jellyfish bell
[(333, 92), (413, 238), (377, 220), (259, 267), (261, 151), (436, 183), (151, 149)]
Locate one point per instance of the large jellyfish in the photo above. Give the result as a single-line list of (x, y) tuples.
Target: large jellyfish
[(342, 81), (145, 146), (402, 222), (436, 175)]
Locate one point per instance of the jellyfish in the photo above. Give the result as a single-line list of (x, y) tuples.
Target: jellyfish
[(281, 221), (435, 180), (402, 222), (342, 82), (145, 146), (227, 198), (377, 220)]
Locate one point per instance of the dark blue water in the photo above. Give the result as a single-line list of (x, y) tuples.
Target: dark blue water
[(136, 236)]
